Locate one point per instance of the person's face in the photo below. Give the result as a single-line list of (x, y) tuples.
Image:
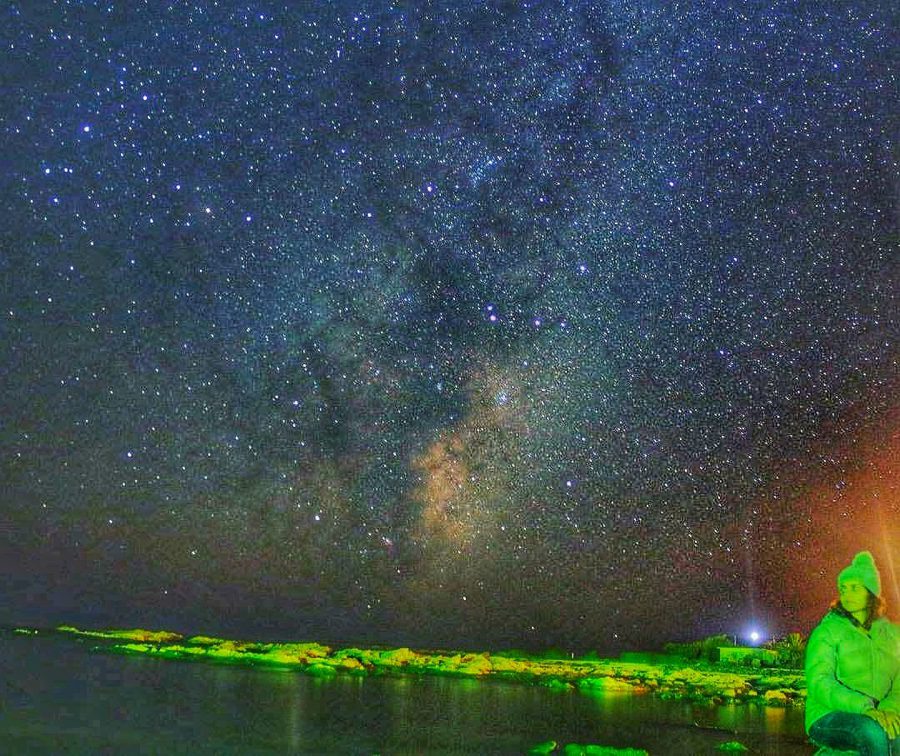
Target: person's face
[(853, 594)]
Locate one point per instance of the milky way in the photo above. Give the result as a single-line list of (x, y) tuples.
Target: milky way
[(502, 323)]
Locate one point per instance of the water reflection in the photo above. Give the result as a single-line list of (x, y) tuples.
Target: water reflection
[(135, 703)]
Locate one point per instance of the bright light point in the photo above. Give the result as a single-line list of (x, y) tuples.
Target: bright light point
[(755, 637), (207, 210), (86, 129), (493, 318), (429, 188), (570, 483), (144, 98), (537, 322), (248, 218), (46, 171), (177, 187)]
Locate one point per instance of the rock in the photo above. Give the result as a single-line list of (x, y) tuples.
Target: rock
[(555, 684), (349, 664), (204, 640), (575, 749), (478, 665), (604, 685), (321, 670), (398, 657)]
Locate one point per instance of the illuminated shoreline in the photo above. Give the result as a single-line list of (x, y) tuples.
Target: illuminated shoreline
[(673, 678)]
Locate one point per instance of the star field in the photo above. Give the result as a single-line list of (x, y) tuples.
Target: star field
[(500, 323)]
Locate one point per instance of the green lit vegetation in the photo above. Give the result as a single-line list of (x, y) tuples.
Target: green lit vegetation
[(666, 676), (145, 636), (783, 652)]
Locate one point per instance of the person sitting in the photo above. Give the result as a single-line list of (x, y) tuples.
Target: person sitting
[(853, 668)]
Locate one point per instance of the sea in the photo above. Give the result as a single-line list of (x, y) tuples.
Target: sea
[(58, 696)]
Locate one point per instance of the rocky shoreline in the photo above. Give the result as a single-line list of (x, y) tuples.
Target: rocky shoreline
[(673, 678)]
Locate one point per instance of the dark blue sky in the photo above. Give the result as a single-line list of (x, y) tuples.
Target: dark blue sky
[(452, 322)]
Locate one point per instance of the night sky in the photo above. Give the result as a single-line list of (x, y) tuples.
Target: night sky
[(495, 324)]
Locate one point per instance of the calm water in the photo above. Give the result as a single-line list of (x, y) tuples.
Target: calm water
[(57, 697)]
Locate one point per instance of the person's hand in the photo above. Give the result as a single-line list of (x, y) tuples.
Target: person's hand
[(877, 715), (891, 723)]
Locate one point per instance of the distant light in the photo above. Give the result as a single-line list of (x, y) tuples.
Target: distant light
[(754, 636), (86, 128)]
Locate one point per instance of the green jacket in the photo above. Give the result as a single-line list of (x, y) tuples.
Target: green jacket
[(849, 669)]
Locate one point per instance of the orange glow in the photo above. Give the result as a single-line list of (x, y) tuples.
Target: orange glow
[(808, 534)]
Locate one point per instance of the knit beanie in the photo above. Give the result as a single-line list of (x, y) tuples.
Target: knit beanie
[(863, 568)]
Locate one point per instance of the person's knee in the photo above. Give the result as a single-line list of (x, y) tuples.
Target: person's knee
[(873, 740)]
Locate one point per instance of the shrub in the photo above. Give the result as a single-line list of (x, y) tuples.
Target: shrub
[(790, 650)]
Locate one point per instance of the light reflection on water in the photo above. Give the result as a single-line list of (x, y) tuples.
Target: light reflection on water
[(61, 698)]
